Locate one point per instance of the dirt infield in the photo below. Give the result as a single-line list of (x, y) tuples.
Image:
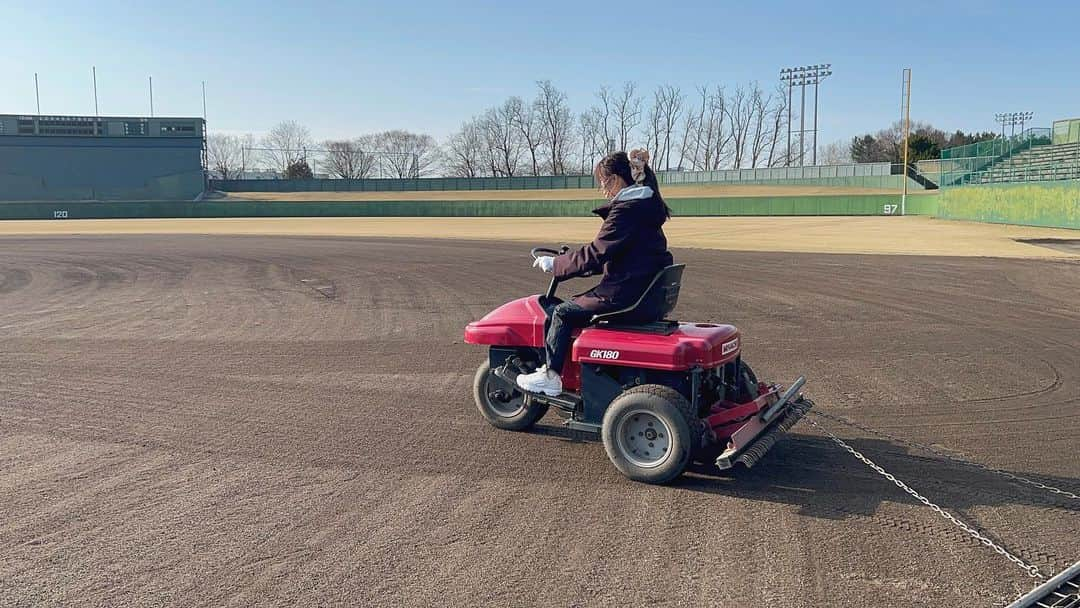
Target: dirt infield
[(686, 191), (901, 235), (210, 421)]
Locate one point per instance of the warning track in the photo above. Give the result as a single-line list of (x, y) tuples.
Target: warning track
[(232, 420)]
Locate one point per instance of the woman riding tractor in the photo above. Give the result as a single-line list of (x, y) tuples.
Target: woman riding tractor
[(629, 250)]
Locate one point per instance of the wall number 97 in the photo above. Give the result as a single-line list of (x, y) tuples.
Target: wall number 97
[(60, 214), (891, 209)]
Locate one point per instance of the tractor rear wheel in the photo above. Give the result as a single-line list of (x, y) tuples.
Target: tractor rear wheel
[(650, 432), (504, 405)]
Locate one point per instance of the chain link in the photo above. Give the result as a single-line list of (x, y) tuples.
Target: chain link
[(1032, 570), (949, 457)]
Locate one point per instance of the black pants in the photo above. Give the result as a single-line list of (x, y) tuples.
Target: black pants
[(563, 319)]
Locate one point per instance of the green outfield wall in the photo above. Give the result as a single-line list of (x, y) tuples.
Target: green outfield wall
[(922, 205), (1052, 204), (868, 175), (876, 204)]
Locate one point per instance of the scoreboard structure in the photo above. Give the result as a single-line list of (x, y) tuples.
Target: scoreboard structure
[(67, 158)]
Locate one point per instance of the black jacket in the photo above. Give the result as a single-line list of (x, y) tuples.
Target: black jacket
[(629, 250)]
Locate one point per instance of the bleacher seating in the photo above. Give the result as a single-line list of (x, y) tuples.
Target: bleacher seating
[(1039, 163)]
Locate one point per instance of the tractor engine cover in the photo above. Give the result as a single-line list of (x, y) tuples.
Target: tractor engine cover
[(691, 344)]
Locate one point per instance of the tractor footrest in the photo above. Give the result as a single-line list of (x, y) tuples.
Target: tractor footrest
[(565, 401), (582, 427), (755, 438)]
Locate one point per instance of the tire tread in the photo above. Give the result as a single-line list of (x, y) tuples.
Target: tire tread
[(680, 404), (524, 421)]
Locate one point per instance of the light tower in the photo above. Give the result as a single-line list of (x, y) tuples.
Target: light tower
[(802, 76)]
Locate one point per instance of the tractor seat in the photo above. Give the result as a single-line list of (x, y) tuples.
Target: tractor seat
[(647, 314)]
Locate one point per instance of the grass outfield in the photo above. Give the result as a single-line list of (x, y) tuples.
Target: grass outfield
[(912, 235), (682, 191)]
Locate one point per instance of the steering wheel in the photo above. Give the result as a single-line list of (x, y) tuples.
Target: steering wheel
[(537, 252)]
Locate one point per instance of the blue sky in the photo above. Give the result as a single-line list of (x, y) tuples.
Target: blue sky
[(347, 68)]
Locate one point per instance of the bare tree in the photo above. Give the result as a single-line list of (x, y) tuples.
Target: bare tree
[(721, 153), (599, 129), (529, 127), (890, 141), (672, 111), (836, 153), (489, 136), (556, 123), (368, 158), (663, 123), (406, 154), (653, 129), (371, 144), (602, 119), (755, 120), (286, 144), (695, 132), (347, 159), (739, 108), (465, 151), (779, 123), (626, 113), (586, 134), (706, 138), (225, 155), (692, 134), (596, 142), (247, 157), (504, 138), (761, 108)]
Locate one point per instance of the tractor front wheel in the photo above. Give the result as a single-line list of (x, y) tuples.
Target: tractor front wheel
[(649, 433), (502, 404)]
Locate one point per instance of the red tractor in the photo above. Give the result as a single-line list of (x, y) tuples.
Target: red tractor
[(658, 394)]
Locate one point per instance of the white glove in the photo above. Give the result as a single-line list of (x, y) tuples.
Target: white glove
[(545, 263)]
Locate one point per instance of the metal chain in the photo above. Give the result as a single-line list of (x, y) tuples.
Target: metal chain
[(1032, 570), (950, 457)]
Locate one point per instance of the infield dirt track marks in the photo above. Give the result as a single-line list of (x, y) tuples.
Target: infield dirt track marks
[(216, 421)]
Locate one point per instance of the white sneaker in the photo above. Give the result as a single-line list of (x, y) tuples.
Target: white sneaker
[(541, 381)]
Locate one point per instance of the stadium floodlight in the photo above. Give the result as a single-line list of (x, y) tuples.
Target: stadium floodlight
[(1024, 118), (1003, 119), (802, 76), (1012, 119)]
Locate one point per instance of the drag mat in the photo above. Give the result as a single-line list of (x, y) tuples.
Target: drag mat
[(230, 421)]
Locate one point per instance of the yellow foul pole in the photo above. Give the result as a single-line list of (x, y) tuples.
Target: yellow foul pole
[(907, 131)]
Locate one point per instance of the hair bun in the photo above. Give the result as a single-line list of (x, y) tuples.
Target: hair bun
[(639, 159)]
